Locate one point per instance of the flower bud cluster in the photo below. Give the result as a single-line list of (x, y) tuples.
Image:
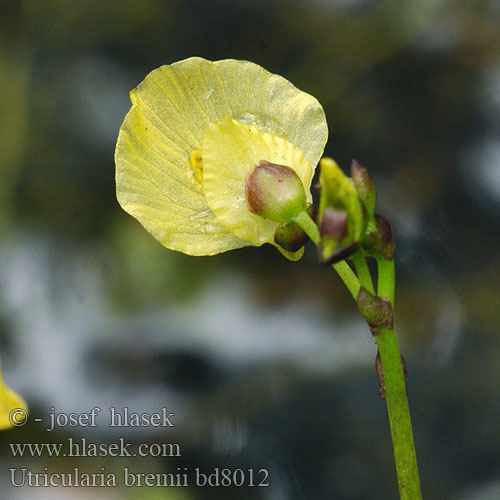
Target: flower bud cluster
[(347, 219), (341, 217)]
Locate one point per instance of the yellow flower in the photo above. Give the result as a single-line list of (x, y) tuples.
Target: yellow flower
[(12, 407), (195, 130)]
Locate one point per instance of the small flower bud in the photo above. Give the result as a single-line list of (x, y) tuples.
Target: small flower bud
[(365, 186), (380, 240), (376, 310), (386, 241), (290, 236), (341, 215), (274, 192)]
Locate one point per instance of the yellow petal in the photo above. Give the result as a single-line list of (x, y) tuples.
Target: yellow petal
[(293, 256), (156, 183), (157, 180), (230, 151), (12, 406)]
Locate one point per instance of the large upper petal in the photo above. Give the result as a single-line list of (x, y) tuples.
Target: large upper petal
[(171, 109)]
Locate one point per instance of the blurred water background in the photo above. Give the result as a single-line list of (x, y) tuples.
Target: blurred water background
[(264, 362)]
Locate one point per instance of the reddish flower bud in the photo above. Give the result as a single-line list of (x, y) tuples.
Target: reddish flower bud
[(275, 192)]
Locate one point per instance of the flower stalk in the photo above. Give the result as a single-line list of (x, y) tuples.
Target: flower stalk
[(396, 394), (204, 176), (392, 373), (342, 268)]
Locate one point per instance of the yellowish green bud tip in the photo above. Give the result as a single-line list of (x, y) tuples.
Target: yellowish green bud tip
[(274, 192)]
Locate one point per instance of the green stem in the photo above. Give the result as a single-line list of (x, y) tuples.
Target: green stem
[(386, 278), (343, 270), (363, 271), (394, 380), (395, 394), (308, 225), (348, 277)]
